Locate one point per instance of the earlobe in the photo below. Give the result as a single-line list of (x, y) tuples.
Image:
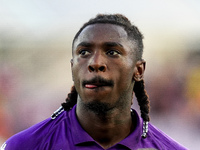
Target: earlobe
[(138, 77), (139, 70)]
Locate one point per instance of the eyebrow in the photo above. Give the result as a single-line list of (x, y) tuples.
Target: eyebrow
[(85, 44), (107, 44), (113, 44)]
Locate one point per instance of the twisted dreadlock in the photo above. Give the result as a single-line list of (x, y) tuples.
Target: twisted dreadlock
[(143, 102), (139, 89)]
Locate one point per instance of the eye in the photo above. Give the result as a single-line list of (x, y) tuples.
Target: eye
[(112, 53), (84, 52)]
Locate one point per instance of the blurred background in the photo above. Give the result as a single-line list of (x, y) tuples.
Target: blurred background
[(35, 53)]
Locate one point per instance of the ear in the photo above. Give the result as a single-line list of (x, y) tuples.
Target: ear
[(72, 63), (139, 69)]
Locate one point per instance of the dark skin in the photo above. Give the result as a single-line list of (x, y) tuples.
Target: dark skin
[(104, 50)]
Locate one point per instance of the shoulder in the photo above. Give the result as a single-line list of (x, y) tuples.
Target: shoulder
[(33, 137), (29, 137), (162, 140)]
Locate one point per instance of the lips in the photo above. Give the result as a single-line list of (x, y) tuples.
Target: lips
[(97, 82), (94, 85), (91, 86)]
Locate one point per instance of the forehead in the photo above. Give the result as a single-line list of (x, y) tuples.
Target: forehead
[(102, 32)]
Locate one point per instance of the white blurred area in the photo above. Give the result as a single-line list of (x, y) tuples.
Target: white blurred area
[(35, 53)]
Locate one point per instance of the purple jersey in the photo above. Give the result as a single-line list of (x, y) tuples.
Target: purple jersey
[(65, 133)]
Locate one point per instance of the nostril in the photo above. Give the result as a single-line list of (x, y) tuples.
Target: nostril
[(97, 68), (102, 68), (91, 68)]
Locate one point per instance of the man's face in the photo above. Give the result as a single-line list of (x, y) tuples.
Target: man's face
[(103, 65)]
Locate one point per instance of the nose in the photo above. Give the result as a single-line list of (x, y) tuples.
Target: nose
[(97, 64), (97, 68)]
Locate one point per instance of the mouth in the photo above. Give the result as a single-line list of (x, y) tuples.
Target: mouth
[(94, 85), (97, 82)]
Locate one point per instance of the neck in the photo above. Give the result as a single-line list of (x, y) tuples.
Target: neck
[(106, 128)]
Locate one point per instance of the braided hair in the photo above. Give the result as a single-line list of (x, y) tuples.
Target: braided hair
[(139, 88)]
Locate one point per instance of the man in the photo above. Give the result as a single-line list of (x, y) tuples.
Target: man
[(107, 68)]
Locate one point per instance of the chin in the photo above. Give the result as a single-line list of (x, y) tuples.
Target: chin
[(99, 108)]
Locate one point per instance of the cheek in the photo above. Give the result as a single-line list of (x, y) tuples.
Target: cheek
[(127, 68), (125, 75), (79, 69), (75, 72), (76, 78)]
